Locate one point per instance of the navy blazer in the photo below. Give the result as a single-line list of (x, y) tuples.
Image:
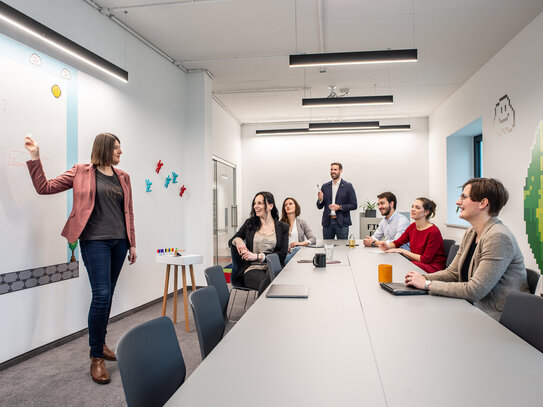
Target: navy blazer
[(345, 197)]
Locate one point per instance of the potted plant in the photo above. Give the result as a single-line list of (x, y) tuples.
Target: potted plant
[(369, 208)]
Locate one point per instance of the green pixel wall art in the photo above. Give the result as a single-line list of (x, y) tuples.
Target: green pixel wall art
[(533, 199)]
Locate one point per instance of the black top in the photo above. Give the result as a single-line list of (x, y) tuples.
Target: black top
[(246, 233), (107, 218), (467, 261)]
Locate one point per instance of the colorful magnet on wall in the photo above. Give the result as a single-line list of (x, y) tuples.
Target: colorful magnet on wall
[(159, 166), (182, 191), (148, 187), (168, 180), (174, 175)]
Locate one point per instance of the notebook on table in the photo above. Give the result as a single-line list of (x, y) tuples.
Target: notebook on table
[(402, 289), (287, 291)]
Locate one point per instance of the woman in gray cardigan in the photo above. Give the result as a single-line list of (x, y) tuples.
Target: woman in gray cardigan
[(299, 232), (489, 264)]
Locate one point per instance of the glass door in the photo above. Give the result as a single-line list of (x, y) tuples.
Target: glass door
[(225, 211)]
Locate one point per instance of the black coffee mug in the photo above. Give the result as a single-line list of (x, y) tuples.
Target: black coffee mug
[(319, 260)]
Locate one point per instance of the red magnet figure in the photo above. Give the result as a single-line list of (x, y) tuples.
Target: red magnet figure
[(159, 166), (183, 189)]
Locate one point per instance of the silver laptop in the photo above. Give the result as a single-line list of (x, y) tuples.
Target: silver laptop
[(287, 291)]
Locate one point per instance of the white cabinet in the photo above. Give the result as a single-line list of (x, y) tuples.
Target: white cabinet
[(368, 225)]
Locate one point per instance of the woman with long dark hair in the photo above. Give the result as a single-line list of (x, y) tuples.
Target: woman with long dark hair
[(424, 238), (102, 219), (299, 232), (261, 234)]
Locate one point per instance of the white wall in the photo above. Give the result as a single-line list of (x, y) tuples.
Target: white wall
[(149, 115), (516, 71), (373, 162)]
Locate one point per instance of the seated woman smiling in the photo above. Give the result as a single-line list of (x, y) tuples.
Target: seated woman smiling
[(261, 234), (299, 233), (489, 263), (424, 238)]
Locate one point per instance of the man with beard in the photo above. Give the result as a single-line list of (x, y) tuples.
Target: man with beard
[(338, 198), (393, 224)]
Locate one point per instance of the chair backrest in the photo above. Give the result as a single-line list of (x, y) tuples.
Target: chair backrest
[(452, 254), (208, 318), (522, 315), (447, 244), (533, 279), (236, 259), (274, 265), (215, 277), (151, 363)]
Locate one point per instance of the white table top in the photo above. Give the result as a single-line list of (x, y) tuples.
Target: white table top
[(351, 343), (183, 260)]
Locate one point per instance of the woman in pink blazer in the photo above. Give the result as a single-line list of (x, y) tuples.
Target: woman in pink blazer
[(102, 219)]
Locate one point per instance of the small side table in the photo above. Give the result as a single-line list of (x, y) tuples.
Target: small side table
[(176, 261)]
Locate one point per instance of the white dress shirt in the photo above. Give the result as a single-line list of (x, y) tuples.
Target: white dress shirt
[(392, 228), (335, 187)]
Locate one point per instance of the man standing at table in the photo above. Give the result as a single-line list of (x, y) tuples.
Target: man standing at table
[(393, 224), (338, 198)]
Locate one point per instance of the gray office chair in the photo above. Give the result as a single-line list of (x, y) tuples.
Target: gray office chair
[(215, 277), (522, 315), (533, 279), (447, 244), (208, 318), (452, 254), (236, 259), (151, 363), (274, 265)]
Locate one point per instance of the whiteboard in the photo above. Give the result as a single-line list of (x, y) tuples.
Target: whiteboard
[(38, 96)]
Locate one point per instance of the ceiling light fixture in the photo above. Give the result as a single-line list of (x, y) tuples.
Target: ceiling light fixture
[(348, 101), (281, 132), (30, 26), (348, 58), (344, 126), (305, 131)]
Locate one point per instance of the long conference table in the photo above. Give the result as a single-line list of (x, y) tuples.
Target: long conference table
[(353, 344)]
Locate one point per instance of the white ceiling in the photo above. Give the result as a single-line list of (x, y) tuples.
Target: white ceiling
[(245, 45)]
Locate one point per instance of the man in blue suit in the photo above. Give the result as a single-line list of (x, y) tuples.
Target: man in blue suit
[(338, 198)]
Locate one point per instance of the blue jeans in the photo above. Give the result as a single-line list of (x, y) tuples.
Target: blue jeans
[(291, 254), (103, 260), (328, 232)]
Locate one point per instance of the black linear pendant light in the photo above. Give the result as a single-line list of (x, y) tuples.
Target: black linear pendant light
[(332, 130), (348, 101), (344, 126), (30, 26), (347, 58)]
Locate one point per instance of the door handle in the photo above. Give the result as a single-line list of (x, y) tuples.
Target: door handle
[(234, 216)]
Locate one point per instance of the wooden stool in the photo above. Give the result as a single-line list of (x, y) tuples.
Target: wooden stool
[(176, 261)]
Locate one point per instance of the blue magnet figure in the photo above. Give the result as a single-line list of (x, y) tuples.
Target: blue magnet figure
[(174, 175), (168, 179), (148, 187)]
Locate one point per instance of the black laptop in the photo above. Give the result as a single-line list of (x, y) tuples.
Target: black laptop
[(402, 289)]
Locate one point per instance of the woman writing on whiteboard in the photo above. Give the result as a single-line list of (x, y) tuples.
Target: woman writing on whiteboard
[(102, 219)]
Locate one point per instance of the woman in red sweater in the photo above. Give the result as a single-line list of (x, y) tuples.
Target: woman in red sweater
[(424, 238)]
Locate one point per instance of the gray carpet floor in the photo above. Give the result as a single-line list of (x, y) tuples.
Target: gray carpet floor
[(60, 377)]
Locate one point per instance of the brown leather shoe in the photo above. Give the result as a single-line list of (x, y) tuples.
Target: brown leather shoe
[(98, 371), (109, 354)]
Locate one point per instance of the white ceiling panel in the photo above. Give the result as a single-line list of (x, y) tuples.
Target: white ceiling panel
[(245, 44)]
